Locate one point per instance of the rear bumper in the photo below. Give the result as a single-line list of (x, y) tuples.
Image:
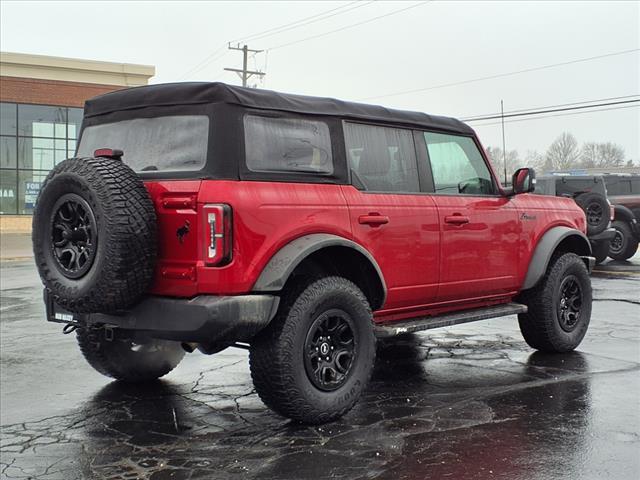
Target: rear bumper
[(605, 236), (206, 318)]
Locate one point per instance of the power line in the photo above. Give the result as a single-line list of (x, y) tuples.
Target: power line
[(265, 33), (208, 59), (305, 21), (471, 118), (558, 115), (395, 12), (499, 75), (549, 110)]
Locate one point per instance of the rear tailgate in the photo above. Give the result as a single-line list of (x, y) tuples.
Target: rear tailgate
[(175, 202)]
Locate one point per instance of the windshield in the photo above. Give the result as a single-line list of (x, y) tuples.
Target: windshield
[(173, 143)]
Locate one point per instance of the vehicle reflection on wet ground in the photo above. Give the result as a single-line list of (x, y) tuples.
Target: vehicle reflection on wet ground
[(471, 401)]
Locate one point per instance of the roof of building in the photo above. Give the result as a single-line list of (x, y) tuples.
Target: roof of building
[(206, 92), (44, 67)]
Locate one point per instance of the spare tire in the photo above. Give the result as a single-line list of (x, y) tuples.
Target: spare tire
[(596, 209), (94, 235)]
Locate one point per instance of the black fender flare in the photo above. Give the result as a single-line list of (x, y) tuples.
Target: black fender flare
[(545, 248), (277, 271), (623, 213)]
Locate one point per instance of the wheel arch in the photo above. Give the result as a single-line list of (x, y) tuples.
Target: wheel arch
[(336, 254), (623, 213), (555, 240)]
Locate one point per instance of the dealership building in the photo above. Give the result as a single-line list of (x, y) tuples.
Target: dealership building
[(41, 102)]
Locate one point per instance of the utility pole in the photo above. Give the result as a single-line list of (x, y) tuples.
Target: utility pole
[(504, 144), (244, 74)]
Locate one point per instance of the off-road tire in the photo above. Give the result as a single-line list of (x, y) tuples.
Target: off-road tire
[(629, 245), (124, 359), (596, 209), (277, 355), (125, 222), (540, 326)]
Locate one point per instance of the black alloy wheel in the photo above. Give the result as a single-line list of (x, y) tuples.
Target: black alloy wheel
[(74, 235), (617, 243), (569, 303), (594, 214), (330, 349)]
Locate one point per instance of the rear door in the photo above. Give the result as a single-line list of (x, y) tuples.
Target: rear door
[(389, 215), (479, 227)]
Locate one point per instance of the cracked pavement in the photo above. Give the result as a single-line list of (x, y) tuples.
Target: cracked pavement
[(469, 401)]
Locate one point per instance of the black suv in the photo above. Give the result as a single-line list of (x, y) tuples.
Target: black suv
[(624, 193), (590, 193)]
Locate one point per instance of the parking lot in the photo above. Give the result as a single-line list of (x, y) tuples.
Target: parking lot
[(471, 401)]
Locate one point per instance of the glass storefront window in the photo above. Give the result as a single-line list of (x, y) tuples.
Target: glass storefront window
[(8, 192), (8, 154), (42, 121), (29, 183), (41, 153), (33, 139), (8, 119), (71, 148), (75, 120)]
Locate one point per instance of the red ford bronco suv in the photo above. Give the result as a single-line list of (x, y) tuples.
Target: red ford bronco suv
[(203, 216)]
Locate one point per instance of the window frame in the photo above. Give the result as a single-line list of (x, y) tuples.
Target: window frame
[(338, 152), (496, 185), (423, 172)]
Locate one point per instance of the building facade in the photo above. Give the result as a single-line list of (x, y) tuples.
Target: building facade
[(41, 106)]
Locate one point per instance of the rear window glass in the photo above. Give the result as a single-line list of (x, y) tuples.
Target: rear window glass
[(172, 143), (382, 158), (287, 145)]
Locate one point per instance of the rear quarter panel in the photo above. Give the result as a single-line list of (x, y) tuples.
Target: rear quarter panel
[(267, 216)]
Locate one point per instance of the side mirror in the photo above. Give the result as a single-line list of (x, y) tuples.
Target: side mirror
[(524, 181)]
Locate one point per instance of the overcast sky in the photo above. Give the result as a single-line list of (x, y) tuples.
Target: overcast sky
[(431, 44)]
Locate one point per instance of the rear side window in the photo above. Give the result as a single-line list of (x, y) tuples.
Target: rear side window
[(383, 159), (171, 143), (457, 165), (287, 145)]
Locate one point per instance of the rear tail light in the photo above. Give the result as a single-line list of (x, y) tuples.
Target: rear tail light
[(217, 234), (612, 212)]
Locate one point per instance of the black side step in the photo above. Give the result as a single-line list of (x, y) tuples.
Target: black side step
[(425, 323)]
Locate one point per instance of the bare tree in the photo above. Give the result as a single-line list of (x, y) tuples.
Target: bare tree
[(535, 160), (563, 153), (611, 155), (512, 159), (601, 155), (589, 155)]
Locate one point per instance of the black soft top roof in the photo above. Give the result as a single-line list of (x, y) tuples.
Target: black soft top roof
[(191, 93)]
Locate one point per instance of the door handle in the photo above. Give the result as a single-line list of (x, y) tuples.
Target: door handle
[(456, 219), (373, 219)]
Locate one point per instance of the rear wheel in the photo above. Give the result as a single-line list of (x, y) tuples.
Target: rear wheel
[(623, 245), (316, 357), (559, 306), (123, 358)]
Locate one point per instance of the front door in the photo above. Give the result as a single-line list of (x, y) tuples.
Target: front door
[(479, 226)]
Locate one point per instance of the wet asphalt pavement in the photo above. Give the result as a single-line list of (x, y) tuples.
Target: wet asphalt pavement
[(471, 401)]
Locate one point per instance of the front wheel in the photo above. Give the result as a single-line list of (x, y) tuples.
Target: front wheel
[(559, 306), (316, 357), (126, 359)]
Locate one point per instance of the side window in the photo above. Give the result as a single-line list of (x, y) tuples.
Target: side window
[(457, 165), (287, 145), (383, 159)]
